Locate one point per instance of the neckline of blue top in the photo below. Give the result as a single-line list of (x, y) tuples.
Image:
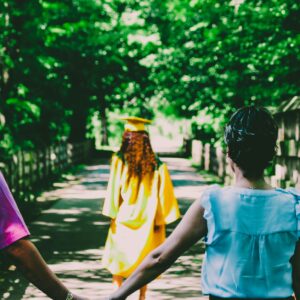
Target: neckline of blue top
[(244, 190)]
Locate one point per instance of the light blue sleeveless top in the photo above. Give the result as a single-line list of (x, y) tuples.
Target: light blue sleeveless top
[(251, 238)]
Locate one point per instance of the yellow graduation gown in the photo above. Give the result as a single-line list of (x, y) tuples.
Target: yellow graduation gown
[(136, 208)]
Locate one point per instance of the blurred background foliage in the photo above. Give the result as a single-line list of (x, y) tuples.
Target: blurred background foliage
[(69, 68)]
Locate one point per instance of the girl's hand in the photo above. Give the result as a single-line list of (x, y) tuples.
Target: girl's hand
[(79, 298), (157, 228)]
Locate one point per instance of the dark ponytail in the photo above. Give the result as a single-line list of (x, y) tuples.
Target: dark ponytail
[(251, 136)]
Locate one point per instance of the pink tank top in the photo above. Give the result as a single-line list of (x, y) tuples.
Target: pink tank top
[(12, 225)]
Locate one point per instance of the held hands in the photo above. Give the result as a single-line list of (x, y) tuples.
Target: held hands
[(111, 297), (107, 297), (75, 297)]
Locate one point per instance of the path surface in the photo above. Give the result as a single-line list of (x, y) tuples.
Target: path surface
[(71, 236)]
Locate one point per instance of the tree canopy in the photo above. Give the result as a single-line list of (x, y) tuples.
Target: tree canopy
[(64, 62)]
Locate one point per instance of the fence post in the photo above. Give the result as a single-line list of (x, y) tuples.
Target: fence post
[(207, 157), (197, 152), (221, 162)]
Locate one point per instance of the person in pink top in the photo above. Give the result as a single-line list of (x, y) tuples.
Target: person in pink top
[(13, 234), (12, 225)]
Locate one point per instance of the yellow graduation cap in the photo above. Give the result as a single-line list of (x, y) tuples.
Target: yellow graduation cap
[(135, 123)]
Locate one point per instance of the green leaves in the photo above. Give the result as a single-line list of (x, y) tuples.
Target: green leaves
[(65, 61), (23, 106)]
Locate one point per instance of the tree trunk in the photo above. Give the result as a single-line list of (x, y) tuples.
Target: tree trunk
[(78, 126), (103, 120)]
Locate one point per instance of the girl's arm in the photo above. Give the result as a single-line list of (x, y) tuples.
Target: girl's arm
[(296, 271), (192, 228), (34, 268)]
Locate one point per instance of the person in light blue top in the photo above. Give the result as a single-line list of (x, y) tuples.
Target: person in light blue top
[(251, 230), (251, 238)]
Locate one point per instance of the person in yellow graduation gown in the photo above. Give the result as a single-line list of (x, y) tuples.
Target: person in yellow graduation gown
[(140, 201)]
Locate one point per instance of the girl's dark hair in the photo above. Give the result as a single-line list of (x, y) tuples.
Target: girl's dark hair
[(138, 154), (251, 136)]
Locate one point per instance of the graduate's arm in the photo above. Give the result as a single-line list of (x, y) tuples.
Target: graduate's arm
[(191, 228), (296, 271), (30, 262)]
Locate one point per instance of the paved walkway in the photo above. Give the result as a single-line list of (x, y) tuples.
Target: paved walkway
[(71, 235)]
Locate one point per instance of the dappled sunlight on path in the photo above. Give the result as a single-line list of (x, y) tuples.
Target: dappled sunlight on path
[(71, 236)]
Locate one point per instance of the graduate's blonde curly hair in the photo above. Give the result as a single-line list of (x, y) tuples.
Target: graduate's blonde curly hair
[(138, 154)]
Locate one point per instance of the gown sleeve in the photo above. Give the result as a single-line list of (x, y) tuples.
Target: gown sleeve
[(168, 210), (12, 225), (112, 199)]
